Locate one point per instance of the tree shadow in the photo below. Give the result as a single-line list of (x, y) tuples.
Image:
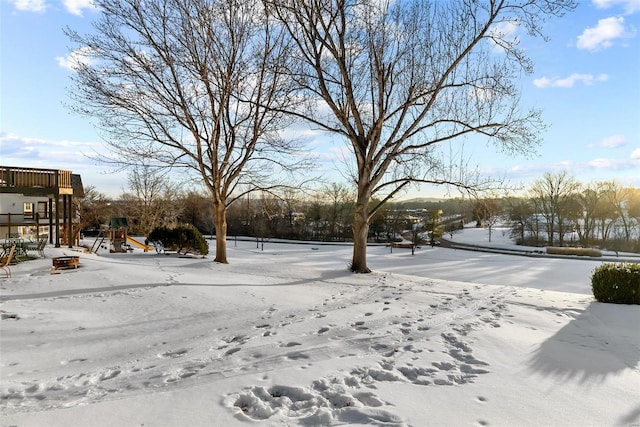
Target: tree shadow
[(603, 340)]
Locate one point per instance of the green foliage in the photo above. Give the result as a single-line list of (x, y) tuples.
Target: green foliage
[(554, 250), (617, 283), (182, 239)]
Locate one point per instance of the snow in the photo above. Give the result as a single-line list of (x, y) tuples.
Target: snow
[(287, 336)]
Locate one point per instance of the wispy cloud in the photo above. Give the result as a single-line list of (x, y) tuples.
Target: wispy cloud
[(604, 34), (601, 168), (613, 141), (629, 6), (76, 7), (30, 5), (75, 59), (569, 82), (36, 151), (502, 32)]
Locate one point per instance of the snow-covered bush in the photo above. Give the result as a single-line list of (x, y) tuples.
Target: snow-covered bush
[(617, 283)]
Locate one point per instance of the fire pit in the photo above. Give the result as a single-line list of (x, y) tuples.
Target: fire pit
[(66, 262)]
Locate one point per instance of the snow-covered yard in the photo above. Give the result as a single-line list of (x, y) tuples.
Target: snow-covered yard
[(286, 336)]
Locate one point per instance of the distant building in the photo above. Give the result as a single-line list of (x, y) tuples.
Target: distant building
[(38, 202)]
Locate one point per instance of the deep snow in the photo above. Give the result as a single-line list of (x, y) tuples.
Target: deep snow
[(286, 336)]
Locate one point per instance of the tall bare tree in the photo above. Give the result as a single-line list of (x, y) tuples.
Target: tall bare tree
[(487, 213), (339, 199), (192, 84), (584, 219), (94, 208), (519, 212), (396, 79), (551, 195), (619, 197), (149, 199)]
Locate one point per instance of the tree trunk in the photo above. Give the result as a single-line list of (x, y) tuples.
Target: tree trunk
[(220, 214), (360, 233)]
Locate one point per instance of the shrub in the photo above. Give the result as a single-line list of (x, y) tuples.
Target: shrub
[(182, 239), (573, 251), (617, 283)]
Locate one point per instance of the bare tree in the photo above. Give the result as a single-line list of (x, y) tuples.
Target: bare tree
[(196, 210), (146, 201), (585, 221), (551, 194), (618, 197), (634, 209), (519, 212), (191, 84), (338, 197), (487, 213), (94, 208), (291, 207), (396, 79)]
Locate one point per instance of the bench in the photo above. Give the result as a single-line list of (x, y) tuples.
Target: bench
[(403, 245)]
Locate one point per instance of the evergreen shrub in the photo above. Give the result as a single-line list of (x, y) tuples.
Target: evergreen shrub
[(617, 283), (182, 239)]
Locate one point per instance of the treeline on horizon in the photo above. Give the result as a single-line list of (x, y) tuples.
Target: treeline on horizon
[(556, 210)]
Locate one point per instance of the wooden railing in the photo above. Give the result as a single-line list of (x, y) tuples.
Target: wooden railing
[(35, 178)]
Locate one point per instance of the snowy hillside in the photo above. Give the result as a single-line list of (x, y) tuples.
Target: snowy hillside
[(286, 336)]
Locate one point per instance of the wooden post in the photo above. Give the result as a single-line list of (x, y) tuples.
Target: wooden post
[(57, 244), (50, 221), (70, 218)]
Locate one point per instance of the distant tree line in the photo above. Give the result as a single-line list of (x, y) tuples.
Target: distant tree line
[(151, 200), (558, 210)]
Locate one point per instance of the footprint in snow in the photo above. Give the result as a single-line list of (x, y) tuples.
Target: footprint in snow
[(110, 374), (290, 344)]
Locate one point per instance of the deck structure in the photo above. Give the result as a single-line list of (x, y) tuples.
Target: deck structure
[(59, 187)]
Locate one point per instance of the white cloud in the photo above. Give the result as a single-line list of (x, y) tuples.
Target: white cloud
[(602, 35), (594, 169), (37, 152), (74, 59), (76, 7), (506, 29), (502, 32), (603, 163), (629, 6), (613, 141), (568, 82), (30, 5)]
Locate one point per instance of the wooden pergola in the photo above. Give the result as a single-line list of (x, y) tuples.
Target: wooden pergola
[(58, 185)]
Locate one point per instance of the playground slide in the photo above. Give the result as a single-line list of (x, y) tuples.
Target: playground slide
[(138, 244)]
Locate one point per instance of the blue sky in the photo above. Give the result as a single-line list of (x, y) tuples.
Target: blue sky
[(586, 81)]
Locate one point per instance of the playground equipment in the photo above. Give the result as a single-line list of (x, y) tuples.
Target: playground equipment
[(116, 233), (134, 242)]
